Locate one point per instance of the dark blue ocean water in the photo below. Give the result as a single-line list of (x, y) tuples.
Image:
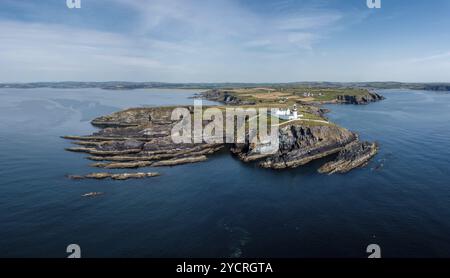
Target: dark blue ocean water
[(222, 207)]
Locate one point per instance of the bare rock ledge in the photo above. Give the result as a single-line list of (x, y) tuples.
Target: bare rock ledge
[(114, 176), (352, 156)]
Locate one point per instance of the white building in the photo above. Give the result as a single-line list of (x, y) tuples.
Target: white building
[(288, 114)]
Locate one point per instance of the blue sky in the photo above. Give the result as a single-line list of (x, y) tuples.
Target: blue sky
[(225, 41)]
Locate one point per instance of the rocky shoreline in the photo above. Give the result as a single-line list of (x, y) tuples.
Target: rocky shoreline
[(123, 176), (299, 145), (365, 99), (140, 137), (223, 96), (356, 154), (229, 97)]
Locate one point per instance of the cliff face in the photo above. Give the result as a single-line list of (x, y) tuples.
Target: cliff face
[(365, 99), (300, 144), (232, 98), (225, 97), (356, 154)]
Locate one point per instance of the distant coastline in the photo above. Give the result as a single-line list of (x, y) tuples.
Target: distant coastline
[(125, 85)]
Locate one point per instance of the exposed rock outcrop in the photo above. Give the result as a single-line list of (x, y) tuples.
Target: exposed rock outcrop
[(224, 96), (356, 154), (179, 161), (92, 194), (298, 145), (136, 138), (122, 176), (123, 165), (365, 99)]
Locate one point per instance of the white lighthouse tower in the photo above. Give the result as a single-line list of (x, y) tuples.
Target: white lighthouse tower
[(294, 112), (288, 114)]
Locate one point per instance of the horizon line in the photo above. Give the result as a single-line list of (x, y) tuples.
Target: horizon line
[(226, 82)]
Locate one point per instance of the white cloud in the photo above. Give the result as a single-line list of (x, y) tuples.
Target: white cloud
[(54, 52), (309, 22), (227, 23), (433, 57), (185, 41)]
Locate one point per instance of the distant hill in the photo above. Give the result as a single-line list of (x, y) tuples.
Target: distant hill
[(123, 85)]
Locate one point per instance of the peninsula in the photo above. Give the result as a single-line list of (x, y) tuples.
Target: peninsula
[(141, 137)]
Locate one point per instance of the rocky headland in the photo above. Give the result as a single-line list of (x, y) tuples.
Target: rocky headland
[(300, 144), (225, 97), (363, 99), (309, 96), (141, 137), (356, 154)]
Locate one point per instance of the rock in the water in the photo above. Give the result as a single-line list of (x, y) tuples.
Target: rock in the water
[(126, 176), (99, 151), (179, 161), (354, 155), (115, 176), (123, 165), (92, 194), (139, 137)]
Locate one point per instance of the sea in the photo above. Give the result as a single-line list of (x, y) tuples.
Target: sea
[(222, 207)]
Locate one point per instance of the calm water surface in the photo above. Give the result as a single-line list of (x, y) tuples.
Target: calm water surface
[(222, 207)]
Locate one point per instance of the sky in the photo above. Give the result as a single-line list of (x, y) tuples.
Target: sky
[(225, 41)]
